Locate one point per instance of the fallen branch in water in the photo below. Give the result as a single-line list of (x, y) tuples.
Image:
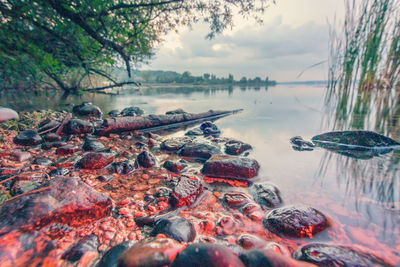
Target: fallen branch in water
[(157, 122)]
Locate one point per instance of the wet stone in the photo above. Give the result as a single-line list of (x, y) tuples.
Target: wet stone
[(105, 178), (329, 255), (92, 145), (227, 225), (295, 221), (248, 241), (194, 132), (87, 109), (230, 167), (110, 258), (256, 258), (114, 113), (132, 111), (65, 200), (125, 167), (186, 192), (267, 195), (52, 137), (146, 159), (47, 125), (59, 172), (151, 252), (174, 144), (66, 150), (96, 160), (209, 128), (28, 138), (176, 227), (207, 254), (77, 126), (89, 243), (176, 167), (49, 145), (43, 162), (175, 112), (299, 144), (21, 156), (235, 200), (198, 151), (236, 148)]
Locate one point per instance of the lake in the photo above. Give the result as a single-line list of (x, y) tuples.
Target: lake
[(361, 197)]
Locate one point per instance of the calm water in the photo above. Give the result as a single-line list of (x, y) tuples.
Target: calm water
[(361, 197)]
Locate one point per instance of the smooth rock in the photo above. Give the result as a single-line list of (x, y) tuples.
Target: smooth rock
[(207, 254), (89, 243), (43, 162), (248, 241), (176, 167), (52, 137), (96, 160), (209, 128), (198, 151), (146, 159), (132, 111), (176, 227), (186, 192), (65, 200), (329, 255), (230, 167), (267, 195), (110, 258), (28, 138), (151, 253), (125, 167), (256, 258), (8, 114), (114, 113), (236, 147), (194, 132), (92, 145), (49, 145), (174, 144), (235, 199), (295, 221), (20, 156), (87, 109), (77, 126)]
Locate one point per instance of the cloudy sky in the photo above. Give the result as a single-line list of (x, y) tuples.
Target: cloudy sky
[(293, 37)]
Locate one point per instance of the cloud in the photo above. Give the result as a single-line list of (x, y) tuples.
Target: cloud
[(276, 49)]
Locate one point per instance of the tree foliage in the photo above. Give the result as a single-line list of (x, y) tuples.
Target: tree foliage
[(71, 41)]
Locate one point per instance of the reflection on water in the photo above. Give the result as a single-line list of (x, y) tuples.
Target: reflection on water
[(361, 196)]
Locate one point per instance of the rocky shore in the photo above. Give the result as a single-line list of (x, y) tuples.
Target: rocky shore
[(70, 196)]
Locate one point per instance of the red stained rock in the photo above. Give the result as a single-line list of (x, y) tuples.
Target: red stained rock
[(96, 160), (66, 150), (67, 201), (235, 200), (230, 167), (295, 221), (186, 192), (151, 252)]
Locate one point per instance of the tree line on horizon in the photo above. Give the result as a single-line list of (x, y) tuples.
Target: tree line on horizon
[(172, 77)]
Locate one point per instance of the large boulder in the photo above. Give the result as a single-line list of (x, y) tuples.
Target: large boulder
[(224, 166), (66, 201), (8, 114), (295, 221)]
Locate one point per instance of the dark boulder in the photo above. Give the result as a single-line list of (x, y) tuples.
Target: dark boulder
[(199, 151), (186, 192), (49, 145), (66, 150), (146, 159), (295, 221), (176, 167), (329, 255), (132, 111), (207, 254), (267, 195), (209, 128), (87, 109), (174, 144), (28, 138), (236, 147), (230, 167), (114, 113), (256, 258), (175, 227), (125, 167), (92, 145), (89, 243), (65, 200), (96, 160), (110, 258), (151, 252), (52, 137), (77, 126)]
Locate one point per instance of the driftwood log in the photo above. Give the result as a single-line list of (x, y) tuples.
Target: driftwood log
[(157, 122)]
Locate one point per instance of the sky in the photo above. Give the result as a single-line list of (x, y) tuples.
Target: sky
[(293, 37)]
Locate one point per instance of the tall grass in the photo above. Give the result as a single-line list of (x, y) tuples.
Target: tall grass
[(364, 68)]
